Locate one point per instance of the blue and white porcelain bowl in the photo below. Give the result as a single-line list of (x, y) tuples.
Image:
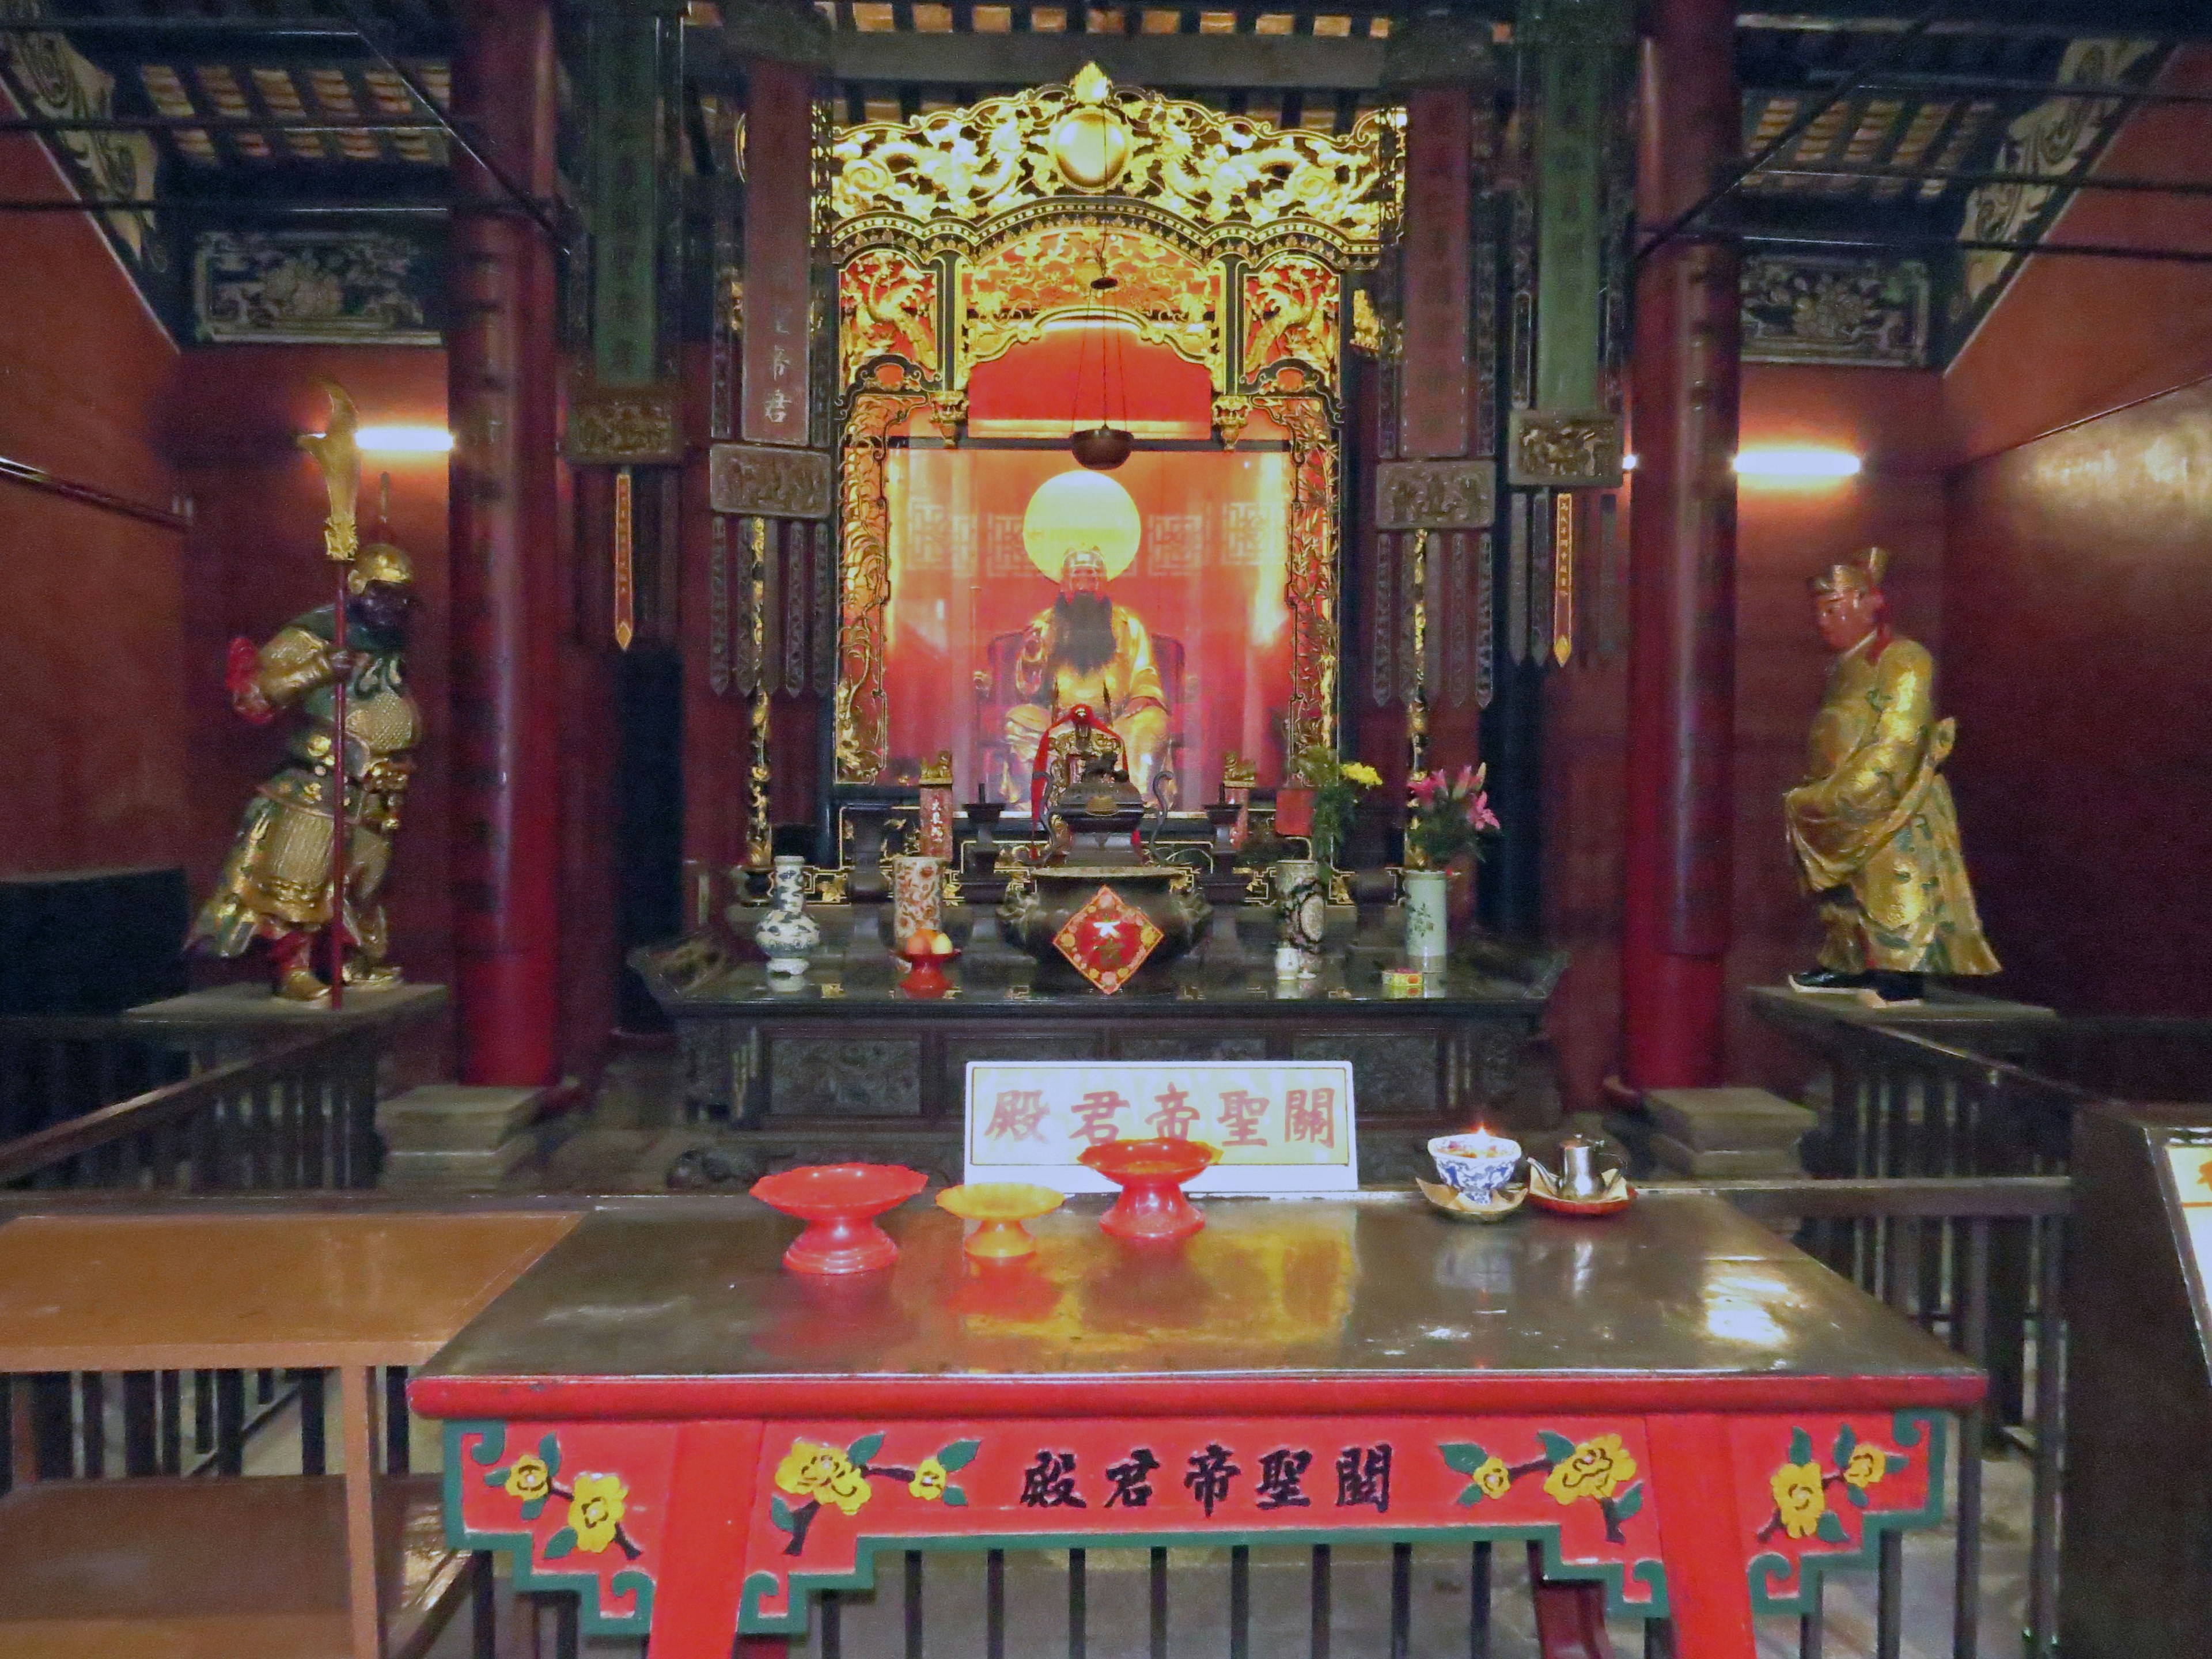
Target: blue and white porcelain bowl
[(1476, 1163)]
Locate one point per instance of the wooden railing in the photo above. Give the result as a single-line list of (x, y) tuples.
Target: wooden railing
[(56, 1067), (300, 1114)]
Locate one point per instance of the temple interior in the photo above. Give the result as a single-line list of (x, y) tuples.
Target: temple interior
[(637, 632)]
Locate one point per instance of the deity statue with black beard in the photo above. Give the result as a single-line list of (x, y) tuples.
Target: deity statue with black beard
[(1086, 649), (274, 890)]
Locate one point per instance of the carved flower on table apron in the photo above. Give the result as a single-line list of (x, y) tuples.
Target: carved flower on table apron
[(823, 1475), (1798, 1498), (1597, 1469), (595, 1510), (1801, 1485)]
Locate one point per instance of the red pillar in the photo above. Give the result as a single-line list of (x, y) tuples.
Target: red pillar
[(1682, 660), (503, 392)]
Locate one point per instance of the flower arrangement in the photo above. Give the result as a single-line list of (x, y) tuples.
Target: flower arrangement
[(1337, 786), (1450, 815)]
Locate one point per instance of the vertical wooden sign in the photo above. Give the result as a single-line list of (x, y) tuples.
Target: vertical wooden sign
[(1437, 401), (779, 177)]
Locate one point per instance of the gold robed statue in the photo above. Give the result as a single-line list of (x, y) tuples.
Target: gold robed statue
[(277, 886), (1874, 833), (1086, 650)]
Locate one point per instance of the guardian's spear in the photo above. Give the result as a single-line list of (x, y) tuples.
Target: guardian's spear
[(339, 457)]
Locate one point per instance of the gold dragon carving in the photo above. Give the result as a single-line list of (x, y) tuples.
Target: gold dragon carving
[(863, 715), (1171, 299), (1290, 315), (886, 308), (1221, 181), (1311, 577)]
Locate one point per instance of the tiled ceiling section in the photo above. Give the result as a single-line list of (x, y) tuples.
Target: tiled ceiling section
[(248, 93), (256, 113)]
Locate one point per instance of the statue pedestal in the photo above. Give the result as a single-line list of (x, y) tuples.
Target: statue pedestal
[(234, 1020)]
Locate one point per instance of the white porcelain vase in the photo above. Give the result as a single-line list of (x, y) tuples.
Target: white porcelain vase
[(1428, 924), (787, 935)]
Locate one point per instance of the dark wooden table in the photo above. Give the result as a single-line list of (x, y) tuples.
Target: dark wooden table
[(845, 1064), (1678, 1405)]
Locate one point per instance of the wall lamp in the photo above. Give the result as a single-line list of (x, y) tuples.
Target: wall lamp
[(1796, 465), (404, 440)]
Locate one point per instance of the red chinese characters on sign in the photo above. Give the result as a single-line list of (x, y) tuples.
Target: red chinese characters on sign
[(1174, 1115), (1094, 1117), (1017, 1115), (1309, 1114), (1242, 1116)]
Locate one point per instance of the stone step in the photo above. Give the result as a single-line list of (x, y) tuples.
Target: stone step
[(457, 1117), (456, 1172), (1673, 1158), (1728, 1119)]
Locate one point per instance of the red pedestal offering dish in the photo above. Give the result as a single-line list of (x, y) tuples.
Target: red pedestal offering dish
[(839, 1203), (1150, 1174), (925, 975)]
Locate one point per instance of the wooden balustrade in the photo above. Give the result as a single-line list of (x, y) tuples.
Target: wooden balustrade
[(300, 1114)]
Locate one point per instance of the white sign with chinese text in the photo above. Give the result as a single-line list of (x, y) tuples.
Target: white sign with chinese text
[(1285, 1128)]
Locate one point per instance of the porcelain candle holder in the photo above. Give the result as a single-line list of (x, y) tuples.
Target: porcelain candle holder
[(1477, 1163), (998, 1208), (1428, 915), (839, 1203), (1150, 1175), (916, 902)]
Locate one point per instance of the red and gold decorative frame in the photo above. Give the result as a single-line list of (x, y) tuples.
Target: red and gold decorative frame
[(1745, 1508), (1230, 237)]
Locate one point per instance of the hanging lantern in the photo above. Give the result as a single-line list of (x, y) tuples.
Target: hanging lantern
[(1104, 446)]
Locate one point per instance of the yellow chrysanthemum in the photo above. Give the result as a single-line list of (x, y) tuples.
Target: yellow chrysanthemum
[(1494, 1478), (1868, 1465), (529, 1478), (1798, 1498), (929, 1480), (1596, 1468), (595, 1510), (1361, 774)]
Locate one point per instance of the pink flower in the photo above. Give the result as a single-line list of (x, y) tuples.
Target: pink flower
[(1424, 787), (1480, 815)]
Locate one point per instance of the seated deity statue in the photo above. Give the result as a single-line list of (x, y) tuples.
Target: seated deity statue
[(1085, 648), (1872, 826)]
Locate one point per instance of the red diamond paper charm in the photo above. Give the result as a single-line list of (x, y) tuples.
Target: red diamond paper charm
[(1107, 939)]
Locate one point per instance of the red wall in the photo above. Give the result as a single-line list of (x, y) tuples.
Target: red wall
[(94, 759), (1786, 535), (2080, 660)]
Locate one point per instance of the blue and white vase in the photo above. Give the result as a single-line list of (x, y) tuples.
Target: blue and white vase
[(787, 935)]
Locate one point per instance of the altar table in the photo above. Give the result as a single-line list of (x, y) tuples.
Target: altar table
[(245, 1292), (1673, 1403), (844, 1064)]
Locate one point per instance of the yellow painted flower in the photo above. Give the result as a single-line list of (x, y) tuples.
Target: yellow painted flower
[(529, 1478), (1494, 1478), (1361, 773), (808, 1468), (596, 1509), (1598, 1468), (1798, 1498), (847, 1489), (1868, 1465), (928, 1482)]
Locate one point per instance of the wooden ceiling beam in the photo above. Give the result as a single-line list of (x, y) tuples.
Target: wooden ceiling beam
[(1285, 62)]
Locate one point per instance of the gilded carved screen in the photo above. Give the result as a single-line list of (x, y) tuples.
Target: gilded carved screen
[(974, 327)]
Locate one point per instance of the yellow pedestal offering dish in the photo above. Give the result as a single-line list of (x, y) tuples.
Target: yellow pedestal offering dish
[(998, 1208)]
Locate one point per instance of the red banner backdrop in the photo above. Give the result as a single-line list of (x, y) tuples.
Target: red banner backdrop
[(1206, 578)]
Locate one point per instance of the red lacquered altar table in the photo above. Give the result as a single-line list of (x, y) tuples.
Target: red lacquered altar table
[(1678, 1405)]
